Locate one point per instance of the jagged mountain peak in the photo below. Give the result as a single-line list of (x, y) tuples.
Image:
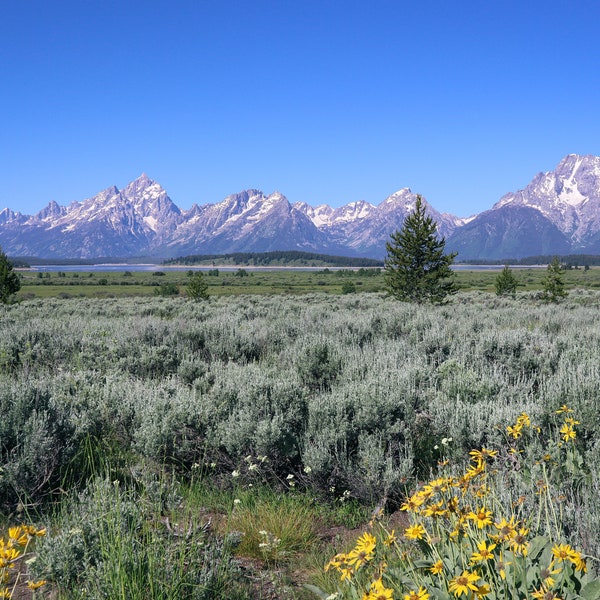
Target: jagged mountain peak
[(51, 211), (559, 209), (569, 196), (402, 195)]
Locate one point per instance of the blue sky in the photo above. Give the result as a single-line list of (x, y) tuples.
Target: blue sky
[(325, 101)]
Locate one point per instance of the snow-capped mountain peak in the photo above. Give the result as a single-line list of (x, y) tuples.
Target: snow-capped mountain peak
[(558, 211), (562, 195)]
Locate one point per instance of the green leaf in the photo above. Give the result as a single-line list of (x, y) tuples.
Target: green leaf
[(537, 544), (439, 594), (316, 590), (422, 564), (591, 591)]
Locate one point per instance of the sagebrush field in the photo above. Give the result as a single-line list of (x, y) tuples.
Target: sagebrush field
[(165, 443)]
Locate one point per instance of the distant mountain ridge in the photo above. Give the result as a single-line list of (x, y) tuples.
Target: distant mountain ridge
[(558, 212)]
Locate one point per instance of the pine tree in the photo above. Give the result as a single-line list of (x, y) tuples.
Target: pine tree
[(416, 268), (10, 282), (506, 283), (554, 287), (197, 288)]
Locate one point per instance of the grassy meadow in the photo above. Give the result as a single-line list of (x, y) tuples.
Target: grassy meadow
[(162, 448), (117, 284)]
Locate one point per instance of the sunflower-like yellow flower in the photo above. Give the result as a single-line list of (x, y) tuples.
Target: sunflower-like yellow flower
[(544, 593), (367, 542), (437, 568), (363, 552), (391, 538), (567, 432), (413, 503), (378, 591), (435, 510), (18, 535), (463, 584), (441, 484), (562, 552), (578, 561), (484, 553), (482, 518), (546, 575), (515, 431), (482, 454), (506, 529), (415, 532), (564, 409), (518, 543), (34, 585), (420, 594)]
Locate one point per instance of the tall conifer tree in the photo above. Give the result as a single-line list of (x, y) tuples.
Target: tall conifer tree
[(416, 267), (10, 281)]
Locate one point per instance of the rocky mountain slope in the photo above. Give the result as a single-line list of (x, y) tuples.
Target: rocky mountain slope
[(558, 212)]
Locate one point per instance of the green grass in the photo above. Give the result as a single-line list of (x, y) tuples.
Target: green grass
[(144, 283)]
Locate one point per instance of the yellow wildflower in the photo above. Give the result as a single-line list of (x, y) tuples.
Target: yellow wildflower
[(482, 518), (414, 532), (564, 409), (391, 539), (514, 431), (358, 557), (519, 544), (379, 592), (562, 551), (413, 503), (437, 567), (420, 594), (567, 433), (506, 529), (546, 575), (482, 454), (482, 590), (484, 553), (435, 510), (362, 552), (543, 593), (366, 542), (577, 559), (18, 535), (34, 585), (463, 584)]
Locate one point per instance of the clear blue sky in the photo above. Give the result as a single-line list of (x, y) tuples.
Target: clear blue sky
[(325, 101)]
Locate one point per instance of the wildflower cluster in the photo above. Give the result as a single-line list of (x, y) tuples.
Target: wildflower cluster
[(461, 541), (270, 545), (14, 549)]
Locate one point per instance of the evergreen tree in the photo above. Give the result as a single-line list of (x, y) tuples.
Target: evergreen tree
[(10, 282), (506, 283), (197, 288), (416, 268), (554, 287)]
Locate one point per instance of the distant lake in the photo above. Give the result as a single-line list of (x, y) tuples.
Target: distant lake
[(157, 267)]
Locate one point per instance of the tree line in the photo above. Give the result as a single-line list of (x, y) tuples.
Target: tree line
[(276, 257)]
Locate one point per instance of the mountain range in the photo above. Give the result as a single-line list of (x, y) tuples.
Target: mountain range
[(557, 213)]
